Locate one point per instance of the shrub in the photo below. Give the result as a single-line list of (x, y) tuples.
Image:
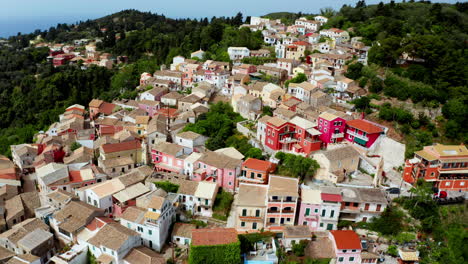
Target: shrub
[(167, 186), (229, 254), (392, 250)]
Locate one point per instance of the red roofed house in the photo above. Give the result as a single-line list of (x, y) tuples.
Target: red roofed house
[(347, 245), (97, 107), (256, 171), (362, 132), (130, 149)]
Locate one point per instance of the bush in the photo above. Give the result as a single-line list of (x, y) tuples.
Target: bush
[(222, 205), (295, 165), (392, 250), (74, 146), (229, 254), (298, 248), (167, 186)]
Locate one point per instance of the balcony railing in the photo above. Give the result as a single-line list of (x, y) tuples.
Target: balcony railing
[(337, 135), (273, 211), (288, 140), (354, 134), (288, 211)]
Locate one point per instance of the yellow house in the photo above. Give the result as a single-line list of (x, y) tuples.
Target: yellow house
[(142, 124), (251, 207), (130, 149)]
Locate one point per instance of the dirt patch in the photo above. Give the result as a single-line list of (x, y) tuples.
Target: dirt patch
[(217, 97)]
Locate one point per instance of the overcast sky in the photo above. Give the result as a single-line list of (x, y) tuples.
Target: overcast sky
[(27, 15)]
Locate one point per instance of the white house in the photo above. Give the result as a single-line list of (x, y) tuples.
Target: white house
[(112, 243), (321, 19), (261, 128), (238, 53), (151, 218), (190, 140), (198, 197), (309, 25)]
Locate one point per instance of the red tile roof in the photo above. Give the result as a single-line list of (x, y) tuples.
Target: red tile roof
[(75, 176), (302, 43), (106, 108), (165, 111), (107, 130), (259, 165), (346, 239), (116, 147), (365, 126), (215, 236), (331, 197), (98, 222)]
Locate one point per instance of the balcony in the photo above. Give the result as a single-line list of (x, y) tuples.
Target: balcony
[(273, 211), (354, 134), (312, 140), (288, 211), (288, 140), (337, 135)]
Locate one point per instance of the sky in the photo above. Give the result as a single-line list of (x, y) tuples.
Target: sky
[(27, 15)]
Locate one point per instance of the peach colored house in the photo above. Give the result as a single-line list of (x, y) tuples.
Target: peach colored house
[(256, 171), (283, 194)]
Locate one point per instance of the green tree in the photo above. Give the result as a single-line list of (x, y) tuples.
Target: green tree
[(74, 146)]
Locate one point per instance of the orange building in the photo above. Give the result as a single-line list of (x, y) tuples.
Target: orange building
[(256, 171), (445, 165)]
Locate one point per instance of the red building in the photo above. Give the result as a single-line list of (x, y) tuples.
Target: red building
[(297, 135), (62, 59), (256, 171), (362, 132), (332, 128), (445, 165)]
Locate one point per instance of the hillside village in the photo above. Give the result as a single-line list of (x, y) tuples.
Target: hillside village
[(130, 181)]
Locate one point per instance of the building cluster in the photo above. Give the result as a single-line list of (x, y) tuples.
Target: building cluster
[(82, 52), (92, 182)]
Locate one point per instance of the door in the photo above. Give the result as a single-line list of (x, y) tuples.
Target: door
[(282, 220), (366, 207)]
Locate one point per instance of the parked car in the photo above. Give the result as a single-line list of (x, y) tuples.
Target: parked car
[(393, 190)]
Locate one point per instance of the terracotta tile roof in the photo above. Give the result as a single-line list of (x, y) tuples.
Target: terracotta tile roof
[(98, 222), (112, 236), (215, 236), (143, 255), (346, 239), (183, 230), (284, 186), (302, 43), (95, 103), (259, 165), (254, 195), (116, 147), (330, 197), (106, 108), (365, 126)]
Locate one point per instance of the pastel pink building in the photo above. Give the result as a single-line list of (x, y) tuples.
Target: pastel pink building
[(332, 128), (309, 212), (347, 246), (219, 168), (362, 132), (151, 107), (189, 71), (169, 157)]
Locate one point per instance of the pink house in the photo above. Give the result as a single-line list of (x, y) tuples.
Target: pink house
[(151, 107), (309, 212), (332, 128), (347, 246), (169, 157), (189, 71), (245, 69), (362, 132), (219, 168)]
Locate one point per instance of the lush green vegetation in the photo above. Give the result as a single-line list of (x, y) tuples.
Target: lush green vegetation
[(442, 229), (229, 253), (222, 205), (295, 165), (167, 186), (435, 35), (301, 77)]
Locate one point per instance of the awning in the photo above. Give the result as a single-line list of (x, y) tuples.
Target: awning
[(359, 141)]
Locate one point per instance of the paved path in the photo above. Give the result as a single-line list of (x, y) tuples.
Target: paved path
[(231, 221)]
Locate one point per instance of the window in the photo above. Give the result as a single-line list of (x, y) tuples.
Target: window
[(340, 259), (323, 212), (244, 212), (316, 210), (351, 258), (150, 232), (307, 212), (254, 225), (321, 224), (259, 175), (242, 224), (252, 175), (332, 213), (344, 250), (353, 250), (257, 213)]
